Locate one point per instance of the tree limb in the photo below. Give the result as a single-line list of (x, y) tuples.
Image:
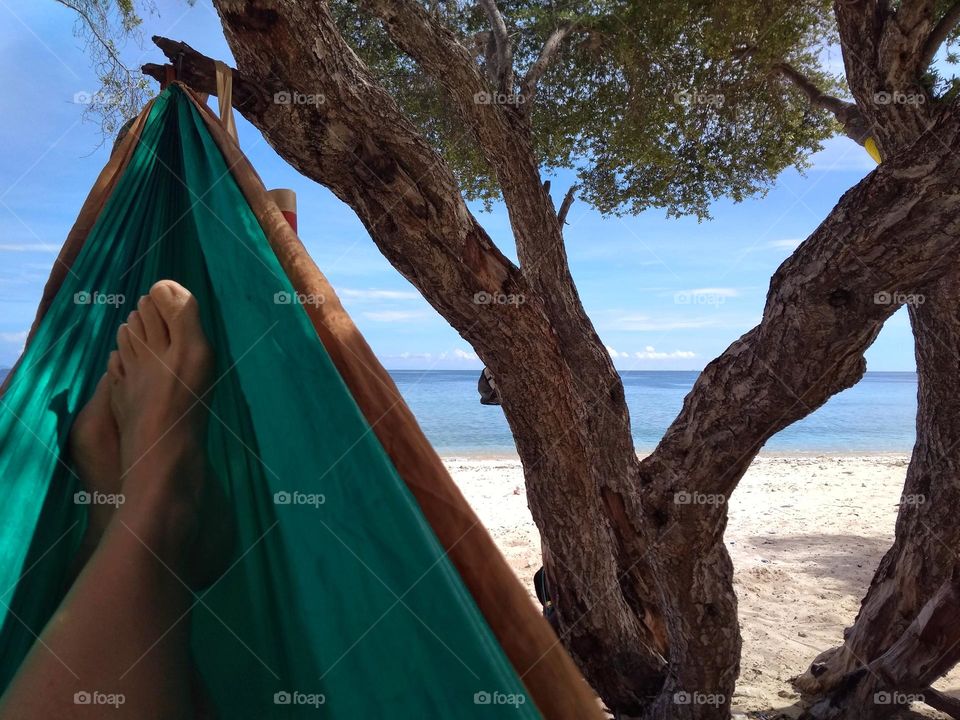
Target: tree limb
[(199, 72), (944, 703), (847, 113), (938, 36), (440, 54), (565, 205), (503, 72), (528, 86)]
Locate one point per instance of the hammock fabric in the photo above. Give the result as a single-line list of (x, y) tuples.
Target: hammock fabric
[(360, 575)]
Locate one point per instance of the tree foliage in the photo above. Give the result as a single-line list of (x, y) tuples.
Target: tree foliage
[(104, 27), (668, 105)]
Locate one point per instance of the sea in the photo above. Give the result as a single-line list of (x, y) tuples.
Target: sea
[(877, 415)]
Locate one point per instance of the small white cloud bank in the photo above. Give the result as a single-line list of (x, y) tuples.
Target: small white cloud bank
[(650, 353), (375, 294)]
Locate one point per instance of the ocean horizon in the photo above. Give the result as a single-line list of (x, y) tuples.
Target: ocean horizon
[(875, 416)]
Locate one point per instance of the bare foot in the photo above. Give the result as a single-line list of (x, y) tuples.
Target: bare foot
[(95, 453), (158, 382), (162, 372)]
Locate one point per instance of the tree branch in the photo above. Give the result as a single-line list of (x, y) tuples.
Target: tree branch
[(565, 205), (503, 75), (854, 124), (944, 703), (440, 54), (94, 29), (938, 36), (528, 87), (199, 72)]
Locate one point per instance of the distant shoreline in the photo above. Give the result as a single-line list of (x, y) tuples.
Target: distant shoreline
[(505, 456)]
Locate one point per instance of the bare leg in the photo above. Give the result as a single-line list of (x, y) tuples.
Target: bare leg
[(95, 454), (122, 630)]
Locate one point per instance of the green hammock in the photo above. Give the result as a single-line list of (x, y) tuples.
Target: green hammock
[(339, 590)]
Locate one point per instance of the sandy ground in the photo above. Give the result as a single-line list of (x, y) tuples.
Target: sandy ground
[(805, 534)]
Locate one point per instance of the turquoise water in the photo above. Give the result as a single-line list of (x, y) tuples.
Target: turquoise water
[(876, 415)]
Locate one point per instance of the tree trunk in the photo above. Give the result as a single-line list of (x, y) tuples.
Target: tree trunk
[(927, 649), (643, 581), (924, 552)]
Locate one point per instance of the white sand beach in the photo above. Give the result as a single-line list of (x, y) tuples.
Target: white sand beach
[(805, 534)]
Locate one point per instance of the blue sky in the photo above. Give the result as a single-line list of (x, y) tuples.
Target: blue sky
[(664, 294)]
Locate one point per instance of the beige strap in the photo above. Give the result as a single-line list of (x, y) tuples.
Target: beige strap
[(225, 97)]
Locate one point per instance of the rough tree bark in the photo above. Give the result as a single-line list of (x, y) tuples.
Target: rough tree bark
[(923, 556), (645, 585)]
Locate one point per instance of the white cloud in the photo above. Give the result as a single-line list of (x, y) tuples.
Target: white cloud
[(651, 353), (725, 292), (15, 338), (374, 294), (29, 247), (645, 323), (457, 355), (788, 243), (394, 315)]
